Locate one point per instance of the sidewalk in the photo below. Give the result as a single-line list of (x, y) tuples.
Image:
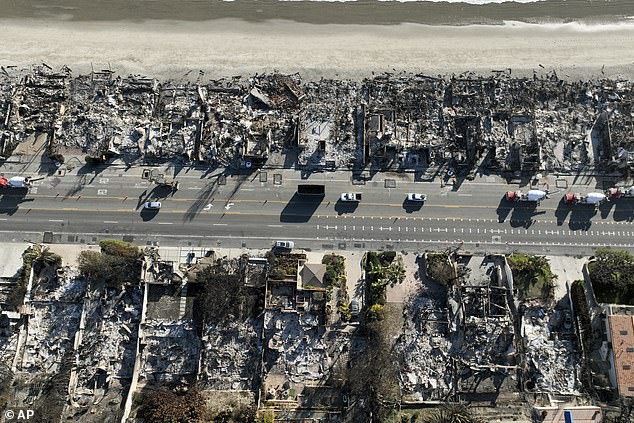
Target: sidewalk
[(37, 165)]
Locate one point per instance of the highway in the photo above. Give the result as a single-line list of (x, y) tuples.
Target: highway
[(253, 211)]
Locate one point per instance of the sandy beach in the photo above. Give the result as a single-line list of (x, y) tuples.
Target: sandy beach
[(227, 47)]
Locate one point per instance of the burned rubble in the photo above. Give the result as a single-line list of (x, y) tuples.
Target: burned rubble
[(327, 120), (551, 355), (498, 122), (106, 352), (230, 354), (170, 353), (458, 339)]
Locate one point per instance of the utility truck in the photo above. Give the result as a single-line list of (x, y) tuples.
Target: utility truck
[(533, 196)]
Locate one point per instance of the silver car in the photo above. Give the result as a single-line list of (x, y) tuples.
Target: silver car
[(152, 205), (286, 245)]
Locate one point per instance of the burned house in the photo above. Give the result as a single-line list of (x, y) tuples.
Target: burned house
[(107, 116), (403, 120), (390, 121), (327, 131), (223, 128), (458, 339), (177, 127)]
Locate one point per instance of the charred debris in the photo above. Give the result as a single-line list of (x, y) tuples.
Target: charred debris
[(402, 121)]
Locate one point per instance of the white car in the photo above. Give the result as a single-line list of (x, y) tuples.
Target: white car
[(152, 205), (287, 245), (412, 196)]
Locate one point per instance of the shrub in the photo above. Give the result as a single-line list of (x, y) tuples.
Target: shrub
[(612, 276), (165, 406), (376, 312), (117, 264)]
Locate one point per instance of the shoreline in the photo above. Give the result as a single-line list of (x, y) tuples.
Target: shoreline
[(229, 47), (362, 12)]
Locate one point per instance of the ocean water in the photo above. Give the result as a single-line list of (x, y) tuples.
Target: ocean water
[(433, 1)]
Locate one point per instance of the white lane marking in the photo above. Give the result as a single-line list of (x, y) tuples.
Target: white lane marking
[(4, 219), (165, 223), (279, 226), (55, 220), (194, 188), (110, 221), (219, 224)]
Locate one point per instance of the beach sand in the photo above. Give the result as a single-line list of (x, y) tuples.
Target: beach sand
[(227, 47)]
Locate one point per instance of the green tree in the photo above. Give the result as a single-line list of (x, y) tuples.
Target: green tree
[(222, 291), (612, 276), (118, 263)]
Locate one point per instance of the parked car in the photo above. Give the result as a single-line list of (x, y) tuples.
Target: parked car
[(285, 245), (354, 308), (412, 196), (152, 205)]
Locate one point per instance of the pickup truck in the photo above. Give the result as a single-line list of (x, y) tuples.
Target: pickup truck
[(351, 196)]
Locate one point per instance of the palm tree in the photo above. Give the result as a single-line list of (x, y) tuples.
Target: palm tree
[(452, 413), (48, 257)]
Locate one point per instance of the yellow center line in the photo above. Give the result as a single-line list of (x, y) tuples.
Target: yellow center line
[(246, 201)]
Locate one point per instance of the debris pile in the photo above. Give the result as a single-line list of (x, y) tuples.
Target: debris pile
[(391, 121), (106, 354), (550, 353), (55, 311), (423, 349), (403, 120), (107, 114), (180, 116), (231, 354), (170, 352), (327, 131), (458, 339), (52, 328), (39, 100), (295, 346)]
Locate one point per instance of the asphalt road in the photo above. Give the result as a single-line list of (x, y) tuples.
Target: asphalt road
[(253, 211)]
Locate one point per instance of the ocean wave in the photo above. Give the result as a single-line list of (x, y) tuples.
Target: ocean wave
[(573, 26), (477, 2)]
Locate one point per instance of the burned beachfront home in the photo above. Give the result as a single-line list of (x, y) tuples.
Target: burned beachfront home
[(327, 130), (274, 102), (614, 127), (403, 120), (106, 116), (466, 123), (179, 117)]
